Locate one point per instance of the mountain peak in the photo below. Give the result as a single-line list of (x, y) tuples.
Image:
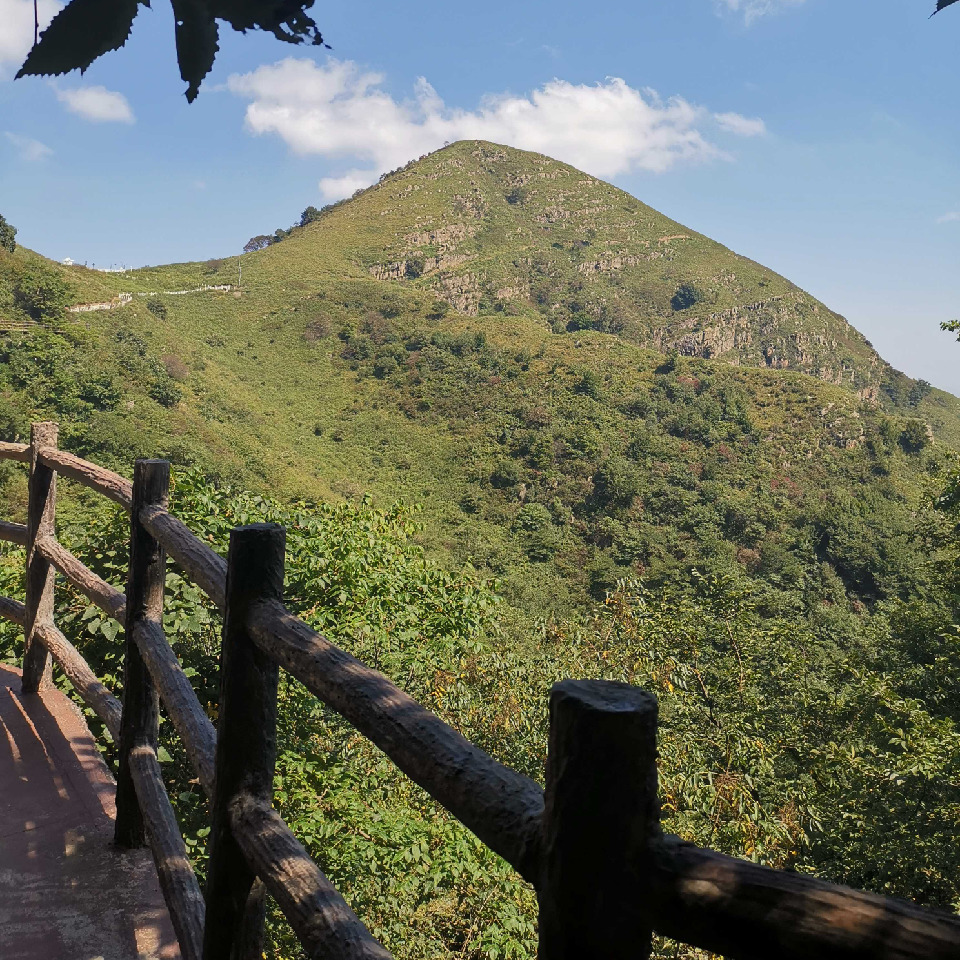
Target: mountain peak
[(490, 228)]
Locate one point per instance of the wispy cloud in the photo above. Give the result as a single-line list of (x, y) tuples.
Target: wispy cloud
[(30, 150), (740, 125), (97, 104), (16, 27), (752, 10), (339, 111), (951, 217)]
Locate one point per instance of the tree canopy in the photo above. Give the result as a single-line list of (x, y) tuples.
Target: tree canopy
[(8, 232), (257, 243)]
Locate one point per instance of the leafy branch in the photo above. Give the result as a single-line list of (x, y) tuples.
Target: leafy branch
[(87, 29)]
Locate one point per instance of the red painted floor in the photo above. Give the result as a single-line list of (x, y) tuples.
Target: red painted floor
[(66, 893)]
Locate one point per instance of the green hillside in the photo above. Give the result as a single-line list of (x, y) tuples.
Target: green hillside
[(492, 229), (445, 337), (673, 466)]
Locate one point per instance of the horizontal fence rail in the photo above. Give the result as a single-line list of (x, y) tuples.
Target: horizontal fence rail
[(181, 891), (15, 451), (743, 910), (321, 918), (591, 844), (13, 532), (501, 806), (103, 703), (201, 563), (109, 599), (105, 482), (189, 719)]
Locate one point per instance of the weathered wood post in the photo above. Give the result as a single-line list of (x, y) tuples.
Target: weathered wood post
[(246, 741), (601, 811), (146, 575), (41, 514)]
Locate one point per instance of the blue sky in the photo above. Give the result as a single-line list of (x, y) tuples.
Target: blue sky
[(805, 134)]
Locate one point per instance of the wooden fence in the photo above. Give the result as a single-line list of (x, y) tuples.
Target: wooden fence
[(606, 877)]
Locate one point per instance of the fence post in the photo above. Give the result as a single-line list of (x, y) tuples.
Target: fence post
[(246, 741), (146, 574), (601, 810), (41, 514)]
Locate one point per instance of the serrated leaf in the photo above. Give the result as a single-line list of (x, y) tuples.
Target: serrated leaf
[(78, 34), (197, 46)]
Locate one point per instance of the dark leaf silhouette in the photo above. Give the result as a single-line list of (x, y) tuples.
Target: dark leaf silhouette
[(78, 34), (87, 29), (197, 34), (943, 3)]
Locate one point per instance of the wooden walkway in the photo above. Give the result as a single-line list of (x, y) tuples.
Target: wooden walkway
[(66, 893)]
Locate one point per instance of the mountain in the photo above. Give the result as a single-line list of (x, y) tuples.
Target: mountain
[(487, 226), (576, 387)]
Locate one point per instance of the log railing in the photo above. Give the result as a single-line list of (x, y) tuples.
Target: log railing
[(606, 876)]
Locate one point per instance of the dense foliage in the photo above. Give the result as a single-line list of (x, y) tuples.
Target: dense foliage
[(824, 748), (30, 288), (608, 473), (49, 375), (8, 233)]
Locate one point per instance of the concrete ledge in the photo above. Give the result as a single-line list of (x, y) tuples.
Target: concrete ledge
[(66, 893)]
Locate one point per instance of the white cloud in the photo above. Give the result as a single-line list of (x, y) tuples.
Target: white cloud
[(952, 217), (29, 149), (333, 188), (97, 103), (607, 129), (754, 9), (740, 125), (16, 33)]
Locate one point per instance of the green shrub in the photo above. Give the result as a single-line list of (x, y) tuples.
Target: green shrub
[(8, 233), (615, 484), (41, 293), (157, 307), (914, 436), (505, 474), (166, 392), (533, 517), (686, 296), (588, 384)]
